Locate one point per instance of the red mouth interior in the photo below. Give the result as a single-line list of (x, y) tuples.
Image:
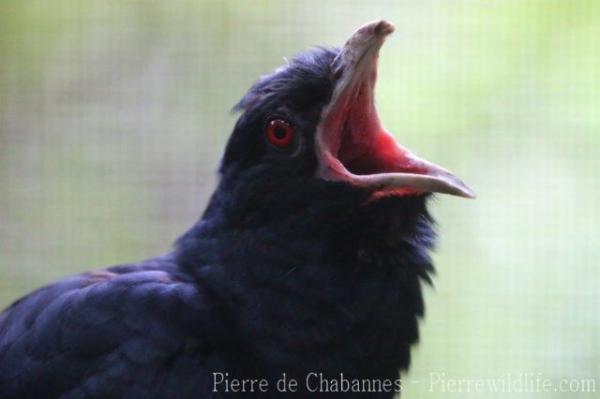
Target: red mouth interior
[(359, 141)]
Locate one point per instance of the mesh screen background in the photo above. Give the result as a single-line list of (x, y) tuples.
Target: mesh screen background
[(113, 116)]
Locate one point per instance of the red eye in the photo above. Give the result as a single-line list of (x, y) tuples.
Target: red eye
[(280, 133)]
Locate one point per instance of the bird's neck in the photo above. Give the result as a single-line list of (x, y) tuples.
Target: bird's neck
[(342, 294)]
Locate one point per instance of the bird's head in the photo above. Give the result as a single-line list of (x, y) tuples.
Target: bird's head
[(311, 128)]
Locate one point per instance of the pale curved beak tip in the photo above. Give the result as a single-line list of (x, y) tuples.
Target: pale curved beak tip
[(462, 190), (470, 194), (375, 28), (383, 27)]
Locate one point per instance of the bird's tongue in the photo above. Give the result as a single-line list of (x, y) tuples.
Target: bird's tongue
[(352, 144)]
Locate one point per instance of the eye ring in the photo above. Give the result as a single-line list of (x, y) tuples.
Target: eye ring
[(280, 133)]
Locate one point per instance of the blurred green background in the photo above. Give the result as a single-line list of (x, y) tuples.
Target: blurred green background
[(113, 115)]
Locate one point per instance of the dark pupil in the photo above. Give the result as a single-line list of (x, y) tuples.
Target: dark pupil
[(280, 132)]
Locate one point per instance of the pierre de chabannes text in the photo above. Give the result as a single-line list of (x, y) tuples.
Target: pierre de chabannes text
[(313, 382)]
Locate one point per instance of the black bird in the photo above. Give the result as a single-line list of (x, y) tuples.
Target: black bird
[(308, 261)]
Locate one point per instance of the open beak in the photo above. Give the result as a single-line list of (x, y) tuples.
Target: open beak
[(353, 146)]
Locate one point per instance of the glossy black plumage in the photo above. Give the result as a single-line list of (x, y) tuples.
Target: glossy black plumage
[(283, 273)]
